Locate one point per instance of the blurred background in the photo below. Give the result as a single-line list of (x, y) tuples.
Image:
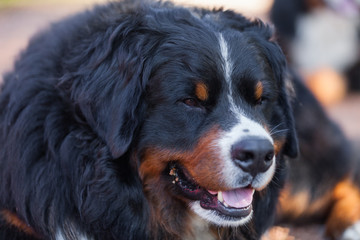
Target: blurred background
[(320, 39)]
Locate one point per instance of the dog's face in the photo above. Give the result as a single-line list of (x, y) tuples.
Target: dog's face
[(214, 125), (199, 99)]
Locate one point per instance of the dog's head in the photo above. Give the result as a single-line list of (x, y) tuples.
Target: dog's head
[(199, 98)]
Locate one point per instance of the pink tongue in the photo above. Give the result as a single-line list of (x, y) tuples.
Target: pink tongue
[(238, 198)]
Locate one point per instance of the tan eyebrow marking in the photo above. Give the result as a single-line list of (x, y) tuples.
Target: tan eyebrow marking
[(259, 88), (201, 91)]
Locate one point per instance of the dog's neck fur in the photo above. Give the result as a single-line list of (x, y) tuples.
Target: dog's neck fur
[(189, 227), (200, 229), (179, 222)]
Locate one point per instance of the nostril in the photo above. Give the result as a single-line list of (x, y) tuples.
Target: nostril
[(243, 156), (269, 156)]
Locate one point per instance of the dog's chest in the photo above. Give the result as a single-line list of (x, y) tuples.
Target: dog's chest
[(199, 230)]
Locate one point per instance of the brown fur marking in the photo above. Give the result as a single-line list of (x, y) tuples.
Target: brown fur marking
[(201, 91), (259, 88), (346, 208), (13, 220), (299, 205), (202, 163), (278, 145)]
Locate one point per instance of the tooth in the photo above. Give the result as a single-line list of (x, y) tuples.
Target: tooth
[(220, 197), (172, 172)]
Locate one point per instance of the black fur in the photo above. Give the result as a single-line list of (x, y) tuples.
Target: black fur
[(90, 94)]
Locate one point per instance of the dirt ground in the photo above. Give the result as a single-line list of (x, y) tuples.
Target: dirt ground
[(17, 24)]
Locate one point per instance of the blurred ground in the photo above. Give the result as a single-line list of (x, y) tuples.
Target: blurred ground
[(21, 20)]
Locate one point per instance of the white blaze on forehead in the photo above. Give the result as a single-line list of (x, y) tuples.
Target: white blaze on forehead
[(227, 64), (227, 67), (233, 177), (243, 128), (244, 122)]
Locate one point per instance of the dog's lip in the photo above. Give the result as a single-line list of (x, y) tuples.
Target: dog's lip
[(235, 203), (211, 202)]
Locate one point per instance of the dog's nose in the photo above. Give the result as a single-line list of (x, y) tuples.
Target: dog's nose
[(253, 155)]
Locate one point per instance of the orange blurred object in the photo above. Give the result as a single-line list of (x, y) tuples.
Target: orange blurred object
[(328, 86)]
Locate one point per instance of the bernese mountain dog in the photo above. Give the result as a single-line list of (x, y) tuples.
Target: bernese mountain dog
[(146, 120)]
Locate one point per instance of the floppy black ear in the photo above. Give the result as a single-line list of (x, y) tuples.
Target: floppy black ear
[(108, 82), (286, 95), (291, 147), (124, 113)]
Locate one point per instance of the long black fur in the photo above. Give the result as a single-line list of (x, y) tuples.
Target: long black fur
[(75, 111)]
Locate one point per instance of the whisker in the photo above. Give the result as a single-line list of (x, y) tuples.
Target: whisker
[(278, 131), (272, 131)]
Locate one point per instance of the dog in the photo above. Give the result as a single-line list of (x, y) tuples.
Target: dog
[(322, 185), (147, 120), (308, 32)]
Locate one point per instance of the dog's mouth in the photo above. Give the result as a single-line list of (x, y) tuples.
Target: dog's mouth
[(232, 204)]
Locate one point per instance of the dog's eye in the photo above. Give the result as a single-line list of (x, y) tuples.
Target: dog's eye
[(191, 102), (260, 101)]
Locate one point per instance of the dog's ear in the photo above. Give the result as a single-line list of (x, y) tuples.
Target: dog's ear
[(123, 113), (107, 82), (291, 147), (286, 94)]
